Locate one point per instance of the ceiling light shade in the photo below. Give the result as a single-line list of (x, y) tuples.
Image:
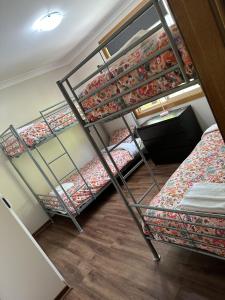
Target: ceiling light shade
[(48, 22)]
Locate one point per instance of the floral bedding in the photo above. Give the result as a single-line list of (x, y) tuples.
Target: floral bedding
[(95, 175), (156, 65), (61, 119), (205, 164), (120, 134), (36, 132)]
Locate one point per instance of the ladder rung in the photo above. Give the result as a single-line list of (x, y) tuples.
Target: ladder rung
[(64, 177), (56, 158), (146, 193), (77, 190), (133, 169)]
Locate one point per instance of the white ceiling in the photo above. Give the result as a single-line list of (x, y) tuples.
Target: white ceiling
[(23, 51)]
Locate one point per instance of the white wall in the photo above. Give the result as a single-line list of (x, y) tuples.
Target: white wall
[(26, 273), (20, 104)]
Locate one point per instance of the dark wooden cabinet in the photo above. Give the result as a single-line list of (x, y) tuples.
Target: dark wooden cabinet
[(171, 138)]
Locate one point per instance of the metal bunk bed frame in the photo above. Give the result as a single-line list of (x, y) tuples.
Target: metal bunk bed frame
[(13, 132), (136, 207), (45, 114)]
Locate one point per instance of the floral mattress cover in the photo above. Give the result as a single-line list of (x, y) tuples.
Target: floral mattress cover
[(38, 131), (153, 66), (96, 177), (205, 164)]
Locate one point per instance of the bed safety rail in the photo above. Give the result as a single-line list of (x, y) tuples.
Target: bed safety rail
[(68, 88), (177, 228), (59, 117), (53, 120)]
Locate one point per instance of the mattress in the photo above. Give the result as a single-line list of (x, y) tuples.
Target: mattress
[(205, 164), (38, 131), (162, 62), (95, 175)]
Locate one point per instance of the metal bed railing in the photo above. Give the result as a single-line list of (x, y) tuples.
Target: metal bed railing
[(135, 205), (185, 229), (64, 208), (66, 84), (49, 117)]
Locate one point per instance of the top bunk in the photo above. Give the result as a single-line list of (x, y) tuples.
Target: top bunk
[(54, 120), (152, 64)]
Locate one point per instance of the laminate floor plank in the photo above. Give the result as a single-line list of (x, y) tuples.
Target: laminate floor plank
[(111, 261)]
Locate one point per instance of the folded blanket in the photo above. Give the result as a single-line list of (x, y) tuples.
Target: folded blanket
[(206, 197), (66, 186)]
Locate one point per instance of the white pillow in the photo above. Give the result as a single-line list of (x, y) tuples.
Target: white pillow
[(66, 186), (211, 129), (22, 129)]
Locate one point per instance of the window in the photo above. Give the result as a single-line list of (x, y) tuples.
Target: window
[(186, 95), (146, 21)]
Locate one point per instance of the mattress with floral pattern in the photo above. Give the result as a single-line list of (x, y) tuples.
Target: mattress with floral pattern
[(205, 164), (95, 175), (145, 49), (36, 132)]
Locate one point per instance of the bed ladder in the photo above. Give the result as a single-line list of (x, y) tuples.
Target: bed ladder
[(59, 180)]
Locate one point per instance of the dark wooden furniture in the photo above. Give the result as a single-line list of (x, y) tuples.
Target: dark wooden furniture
[(171, 138)]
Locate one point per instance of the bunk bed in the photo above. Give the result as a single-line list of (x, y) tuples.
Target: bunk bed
[(28, 139), (151, 66), (71, 193)]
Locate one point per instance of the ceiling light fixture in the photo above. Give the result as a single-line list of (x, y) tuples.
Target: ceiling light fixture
[(48, 22)]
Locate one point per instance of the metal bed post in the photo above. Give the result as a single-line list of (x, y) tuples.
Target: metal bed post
[(115, 165), (21, 175), (75, 96), (46, 178), (102, 159), (135, 120), (141, 153), (123, 179), (30, 188)]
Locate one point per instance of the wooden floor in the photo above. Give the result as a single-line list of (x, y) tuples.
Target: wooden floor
[(110, 260)]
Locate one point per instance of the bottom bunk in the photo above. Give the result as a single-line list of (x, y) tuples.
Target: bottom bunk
[(76, 194), (199, 229)]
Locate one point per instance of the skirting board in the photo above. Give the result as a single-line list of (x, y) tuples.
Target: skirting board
[(42, 228), (63, 293)]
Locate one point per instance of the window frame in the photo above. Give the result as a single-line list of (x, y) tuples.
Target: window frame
[(185, 97), (120, 24)]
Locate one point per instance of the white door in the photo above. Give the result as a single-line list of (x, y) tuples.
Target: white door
[(26, 273)]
